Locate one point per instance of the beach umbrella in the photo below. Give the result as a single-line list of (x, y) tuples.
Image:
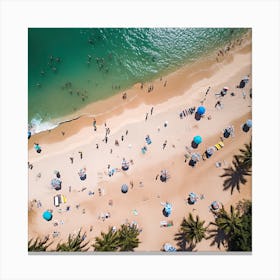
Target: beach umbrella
[(167, 209), (201, 110), (47, 215), (124, 188), (192, 198), (37, 148), (195, 157), (168, 248), (56, 183), (197, 139), (125, 165), (249, 123), (225, 88), (215, 205), (210, 151), (163, 175), (246, 79), (82, 174)]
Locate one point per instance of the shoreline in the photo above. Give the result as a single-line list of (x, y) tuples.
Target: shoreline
[(112, 106)]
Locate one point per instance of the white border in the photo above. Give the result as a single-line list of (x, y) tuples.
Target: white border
[(17, 16)]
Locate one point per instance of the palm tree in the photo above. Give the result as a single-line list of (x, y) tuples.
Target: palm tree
[(246, 156), (38, 245), (75, 243), (128, 237), (108, 242), (229, 223), (234, 227), (235, 175), (192, 231)]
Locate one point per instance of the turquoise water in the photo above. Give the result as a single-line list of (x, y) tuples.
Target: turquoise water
[(69, 68)]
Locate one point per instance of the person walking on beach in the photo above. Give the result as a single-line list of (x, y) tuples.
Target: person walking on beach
[(126, 132), (81, 154), (94, 124), (146, 116), (69, 188), (131, 184), (152, 109), (164, 144), (30, 166), (122, 137), (72, 159), (165, 83), (207, 91), (111, 151), (97, 146), (157, 177), (218, 103)]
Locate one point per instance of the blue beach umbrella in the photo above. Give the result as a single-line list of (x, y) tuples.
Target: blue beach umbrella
[(124, 188), (197, 139), (169, 248), (47, 215), (167, 209), (201, 110), (249, 123)]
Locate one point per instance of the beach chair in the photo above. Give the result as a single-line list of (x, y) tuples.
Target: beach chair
[(219, 145), (163, 224), (56, 201)]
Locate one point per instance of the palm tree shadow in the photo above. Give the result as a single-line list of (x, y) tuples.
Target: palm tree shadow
[(218, 236), (183, 243), (235, 175)]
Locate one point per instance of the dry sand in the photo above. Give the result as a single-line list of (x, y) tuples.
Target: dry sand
[(185, 88)]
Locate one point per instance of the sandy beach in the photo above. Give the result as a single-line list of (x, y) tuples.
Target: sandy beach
[(130, 121)]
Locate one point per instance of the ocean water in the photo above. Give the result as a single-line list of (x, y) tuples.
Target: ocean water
[(69, 68)]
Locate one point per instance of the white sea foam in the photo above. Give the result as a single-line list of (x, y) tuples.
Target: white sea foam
[(37, 125)]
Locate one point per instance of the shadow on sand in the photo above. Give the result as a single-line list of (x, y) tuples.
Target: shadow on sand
[(235, 175), (194, 145), (197, 116), (183, 244)]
